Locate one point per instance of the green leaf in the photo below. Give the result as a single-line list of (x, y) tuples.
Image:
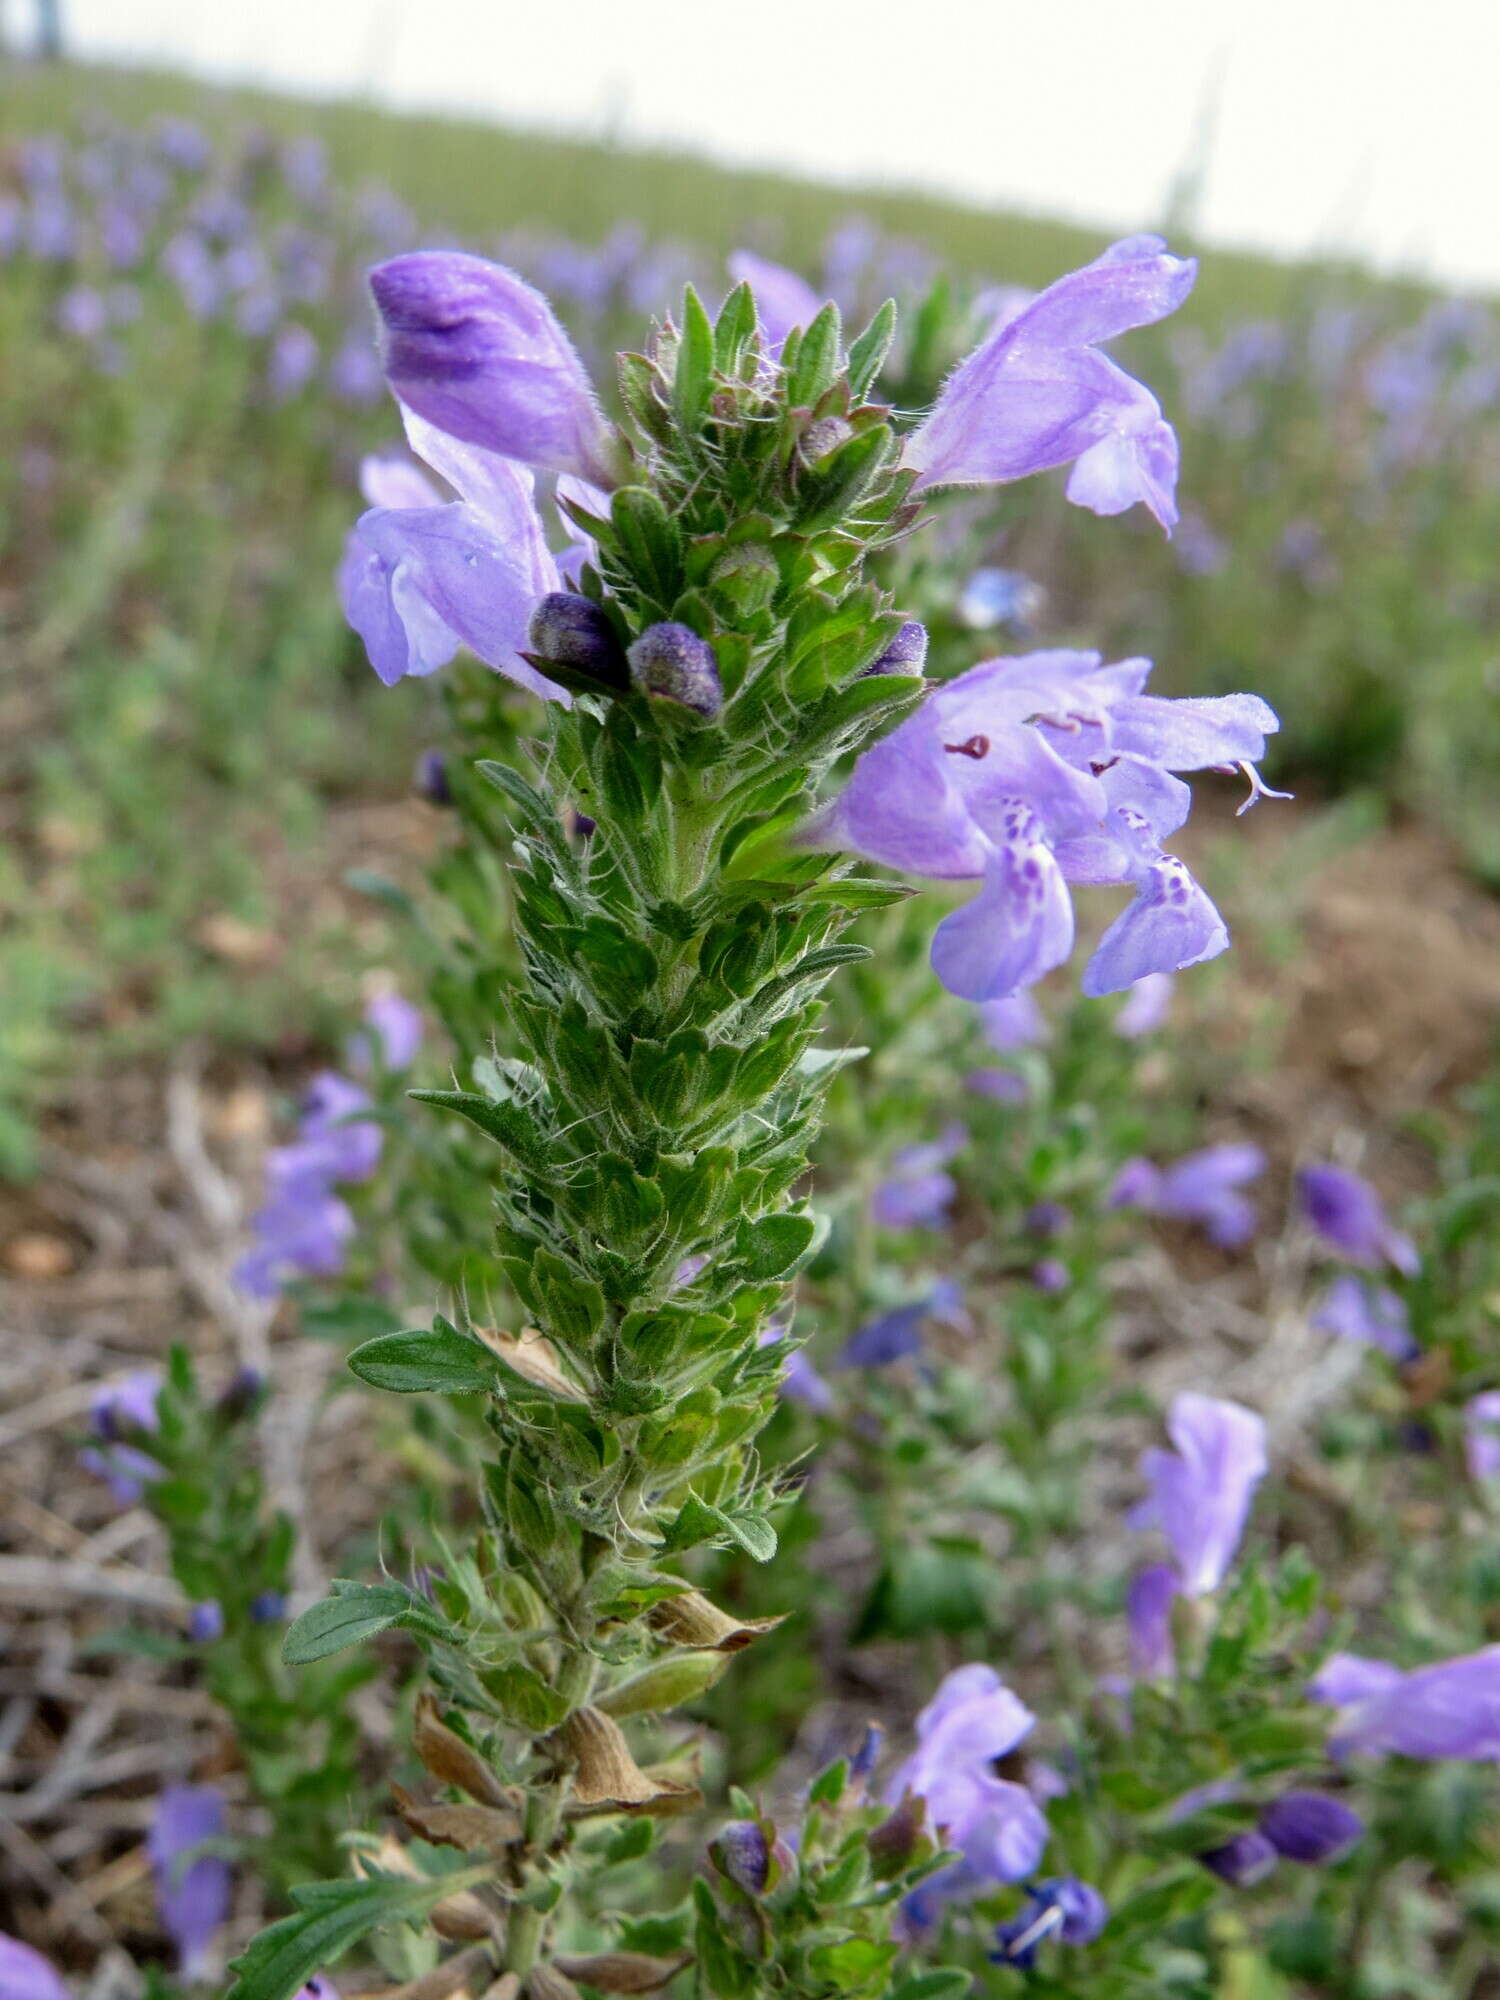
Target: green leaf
[(735, 329), (828, 1787), (830, 489), (868, 352), (816, 366), (850, 1966), (528, 1701), (697, 1522), (946, 1982), (357, 1611), (858, 892), (331, 1917), (774, 1246), (511, 1127), (692, 384), (650, 543), (439, 1358)]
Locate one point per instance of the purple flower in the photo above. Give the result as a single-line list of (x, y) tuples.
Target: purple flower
[(421, 576), (800, 1381), (1311, 1827), (334, 1140), (994, 597), (192, 1889), (121, 1408), (782, 299), (396, 1031), (1201, 1187), (1013, 1023), (1201, 1491), (1243, 1861), (996, 1826), (895, 1336), (1482, 1436), (1064, 1908), (1146, 1006), (1033, 773), (25, 1974), (320, 1988), (1038, 393), (1148, 1613), (206, 1622), (478, 354), (1002, 1085), (268, 1607), (1451, 1709), (1356, 1309), (1051, 1274), (917, 1193), (354, 372), (293, 362), (1350, 1217)]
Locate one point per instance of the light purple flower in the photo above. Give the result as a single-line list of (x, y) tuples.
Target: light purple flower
[(120, 1408), (293, 362), (1014, 1023), (26, 1975), (782, 298), (1451, 1709), (1146, 1006), (1037, 393), (1482, 1436), (995, 1825), (1242, 1861), (1035, 773), (1148, 1613), (1064, 1908), (897, 1335), (420, 576), (192, 1890), (479, 354), (1350, 1217), (1357, 1309), (320, 1988), (206, 1622), (917, 1193), (800, 1381), (1201, 1491), (397, 1029), (1201, 1187)]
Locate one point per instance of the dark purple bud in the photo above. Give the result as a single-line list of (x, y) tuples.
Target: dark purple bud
[(241, 1395), (899, 1840), (430, 779), (742, 1854), (671, 662), (1243, 1861), (1047, 1218), (907, 652), (572, 631), (268, 1607), (1311, 1827), (865, 1758), (206, 1622)]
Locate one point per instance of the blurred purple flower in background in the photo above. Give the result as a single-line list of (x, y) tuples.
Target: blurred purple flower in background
[(192, 1889), (121, 1408), (1357, 1309), (26, 1975), (897, 1335), (1201, 1490), (395, 1030), (1148, 1613), (1482, 1436), (1350, 1217), (1451, 1709), (782, 299), (1146, 1006), (293, 362), (1201, 1187), (1063, 1908), (1038, 393), (917, 1193), (1311, 1827)]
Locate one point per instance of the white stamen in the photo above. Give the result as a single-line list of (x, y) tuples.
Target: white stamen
[(1259, 789)]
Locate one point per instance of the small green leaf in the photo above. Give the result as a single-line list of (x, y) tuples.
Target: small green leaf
[(507, 1124), (773, 1246), (816, 366), (440, 1359), (867, 353), (357, 1611), (692, 384), (331, 1917), (828, 1787), (650, 543), (698, 1522)]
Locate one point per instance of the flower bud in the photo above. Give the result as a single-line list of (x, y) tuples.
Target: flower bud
[(865, 1758), (430, 779), (898, 1841), (742, 1854), (906, 654), (568, 630), (240, 1395), (671, 662), (206, 1622), (1243, 1861), (1311, 1827), (268, 1607)]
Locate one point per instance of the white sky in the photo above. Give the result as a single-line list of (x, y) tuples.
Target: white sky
[(1366, 125)]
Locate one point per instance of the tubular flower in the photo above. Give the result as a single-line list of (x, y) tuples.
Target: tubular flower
[(1450, 1709), (1038, 393), (422, 575), (25, 1974), (1034, 773), (918, 1191), (1201, 1187), (997, 1827), (1355, 1309), (192, 1888), (478, 353), (1350, 1217), (1201, 1491)]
